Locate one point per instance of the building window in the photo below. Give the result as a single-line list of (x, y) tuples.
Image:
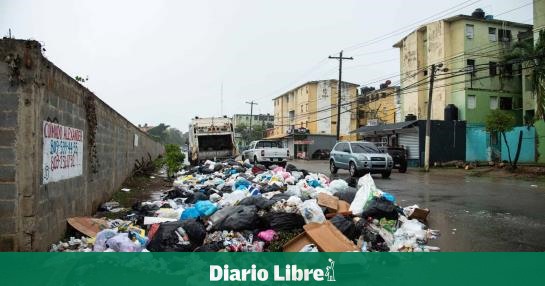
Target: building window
[(507, 69), (471, 102), (504, 35), (492, 34), (528, 84), (307, 106), (493, 67), (470, 29), (471, 66), (301, 108), (493, 102), (506, 103)]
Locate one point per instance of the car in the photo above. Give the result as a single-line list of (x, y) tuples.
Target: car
[(267, 152), (399, 154), (321, 154), (359, 157)]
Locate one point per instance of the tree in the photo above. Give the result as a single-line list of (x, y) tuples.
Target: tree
[(532, 58), (498, 121), (247, 136), (173, 159)]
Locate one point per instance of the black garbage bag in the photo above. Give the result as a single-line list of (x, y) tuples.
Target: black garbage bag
[(232, 162), (226, 189), (290, 168), (258, 201), (279, 197), (352, 182), (285, 221), (346, 195), (195, 197), (166, 239), (270, 188), (242, 218), (379, 208), (346, 226), (177, 193), (375, 239), (305, 172), (145, 210), (211, 247)]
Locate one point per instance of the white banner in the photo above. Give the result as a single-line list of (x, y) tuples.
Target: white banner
[(63, 152)]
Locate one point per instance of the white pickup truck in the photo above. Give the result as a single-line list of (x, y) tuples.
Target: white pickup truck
[(266, 151)]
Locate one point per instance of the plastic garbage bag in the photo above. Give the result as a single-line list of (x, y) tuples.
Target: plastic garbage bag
[(218, 217), (347, 195), (285, 221), (233, 198), (309, 248), (241, 184), (311, 212), (267, 235), (101, 238), (196, 196), (380, 208), (259, 201), (243, 218), (346, 226), (122, 243), (293, 191), (168, 213), (388, 197), (337, 186), (364, 194), (190, 213), (178, 236), (206, 208)]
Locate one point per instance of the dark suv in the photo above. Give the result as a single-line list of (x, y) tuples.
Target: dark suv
[(399, 155)]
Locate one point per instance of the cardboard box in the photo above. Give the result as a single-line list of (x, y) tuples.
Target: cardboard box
[(328, 238), (297, 243), (328, 201), (420, 214)]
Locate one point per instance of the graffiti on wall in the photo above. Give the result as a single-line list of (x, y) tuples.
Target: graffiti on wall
[(62, 152)]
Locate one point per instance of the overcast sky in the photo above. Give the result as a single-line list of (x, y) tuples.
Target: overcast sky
[(165, 61)]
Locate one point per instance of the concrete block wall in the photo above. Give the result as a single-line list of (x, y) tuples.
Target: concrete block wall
[(32, 90)]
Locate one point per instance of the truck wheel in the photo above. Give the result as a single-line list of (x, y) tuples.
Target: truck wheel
[(332, 168), (386, 174), (255, 159), (352, 169)]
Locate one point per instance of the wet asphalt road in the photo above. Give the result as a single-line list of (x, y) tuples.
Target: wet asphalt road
[(472, 213)]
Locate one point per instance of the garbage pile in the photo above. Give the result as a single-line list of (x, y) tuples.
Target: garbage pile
[(239, 207)]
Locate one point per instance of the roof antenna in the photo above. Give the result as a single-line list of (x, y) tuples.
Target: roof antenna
[(9, 33)]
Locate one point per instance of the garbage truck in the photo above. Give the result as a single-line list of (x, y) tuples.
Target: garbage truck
[(211, 138)]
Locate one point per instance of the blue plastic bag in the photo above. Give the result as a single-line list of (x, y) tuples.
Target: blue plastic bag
[(389, 197), (206, 208), (190, 213)]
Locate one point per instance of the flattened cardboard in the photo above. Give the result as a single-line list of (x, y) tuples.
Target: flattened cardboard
[(328, 238), (328, 201), (420, 214), (88, 225), (297, 243), (343, 206)]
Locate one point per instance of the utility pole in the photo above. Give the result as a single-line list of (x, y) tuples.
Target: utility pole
[(428, 120), (340, 58), (251, 103)]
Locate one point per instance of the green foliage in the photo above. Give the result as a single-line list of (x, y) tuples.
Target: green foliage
[(166, 135), (532, 58), (257, 132), (499, 121), (173, 159)]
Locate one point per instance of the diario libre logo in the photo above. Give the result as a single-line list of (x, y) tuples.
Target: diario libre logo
[(287, 273)]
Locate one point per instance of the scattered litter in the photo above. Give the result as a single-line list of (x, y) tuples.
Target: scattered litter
[(533, 186), (239, 207)]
